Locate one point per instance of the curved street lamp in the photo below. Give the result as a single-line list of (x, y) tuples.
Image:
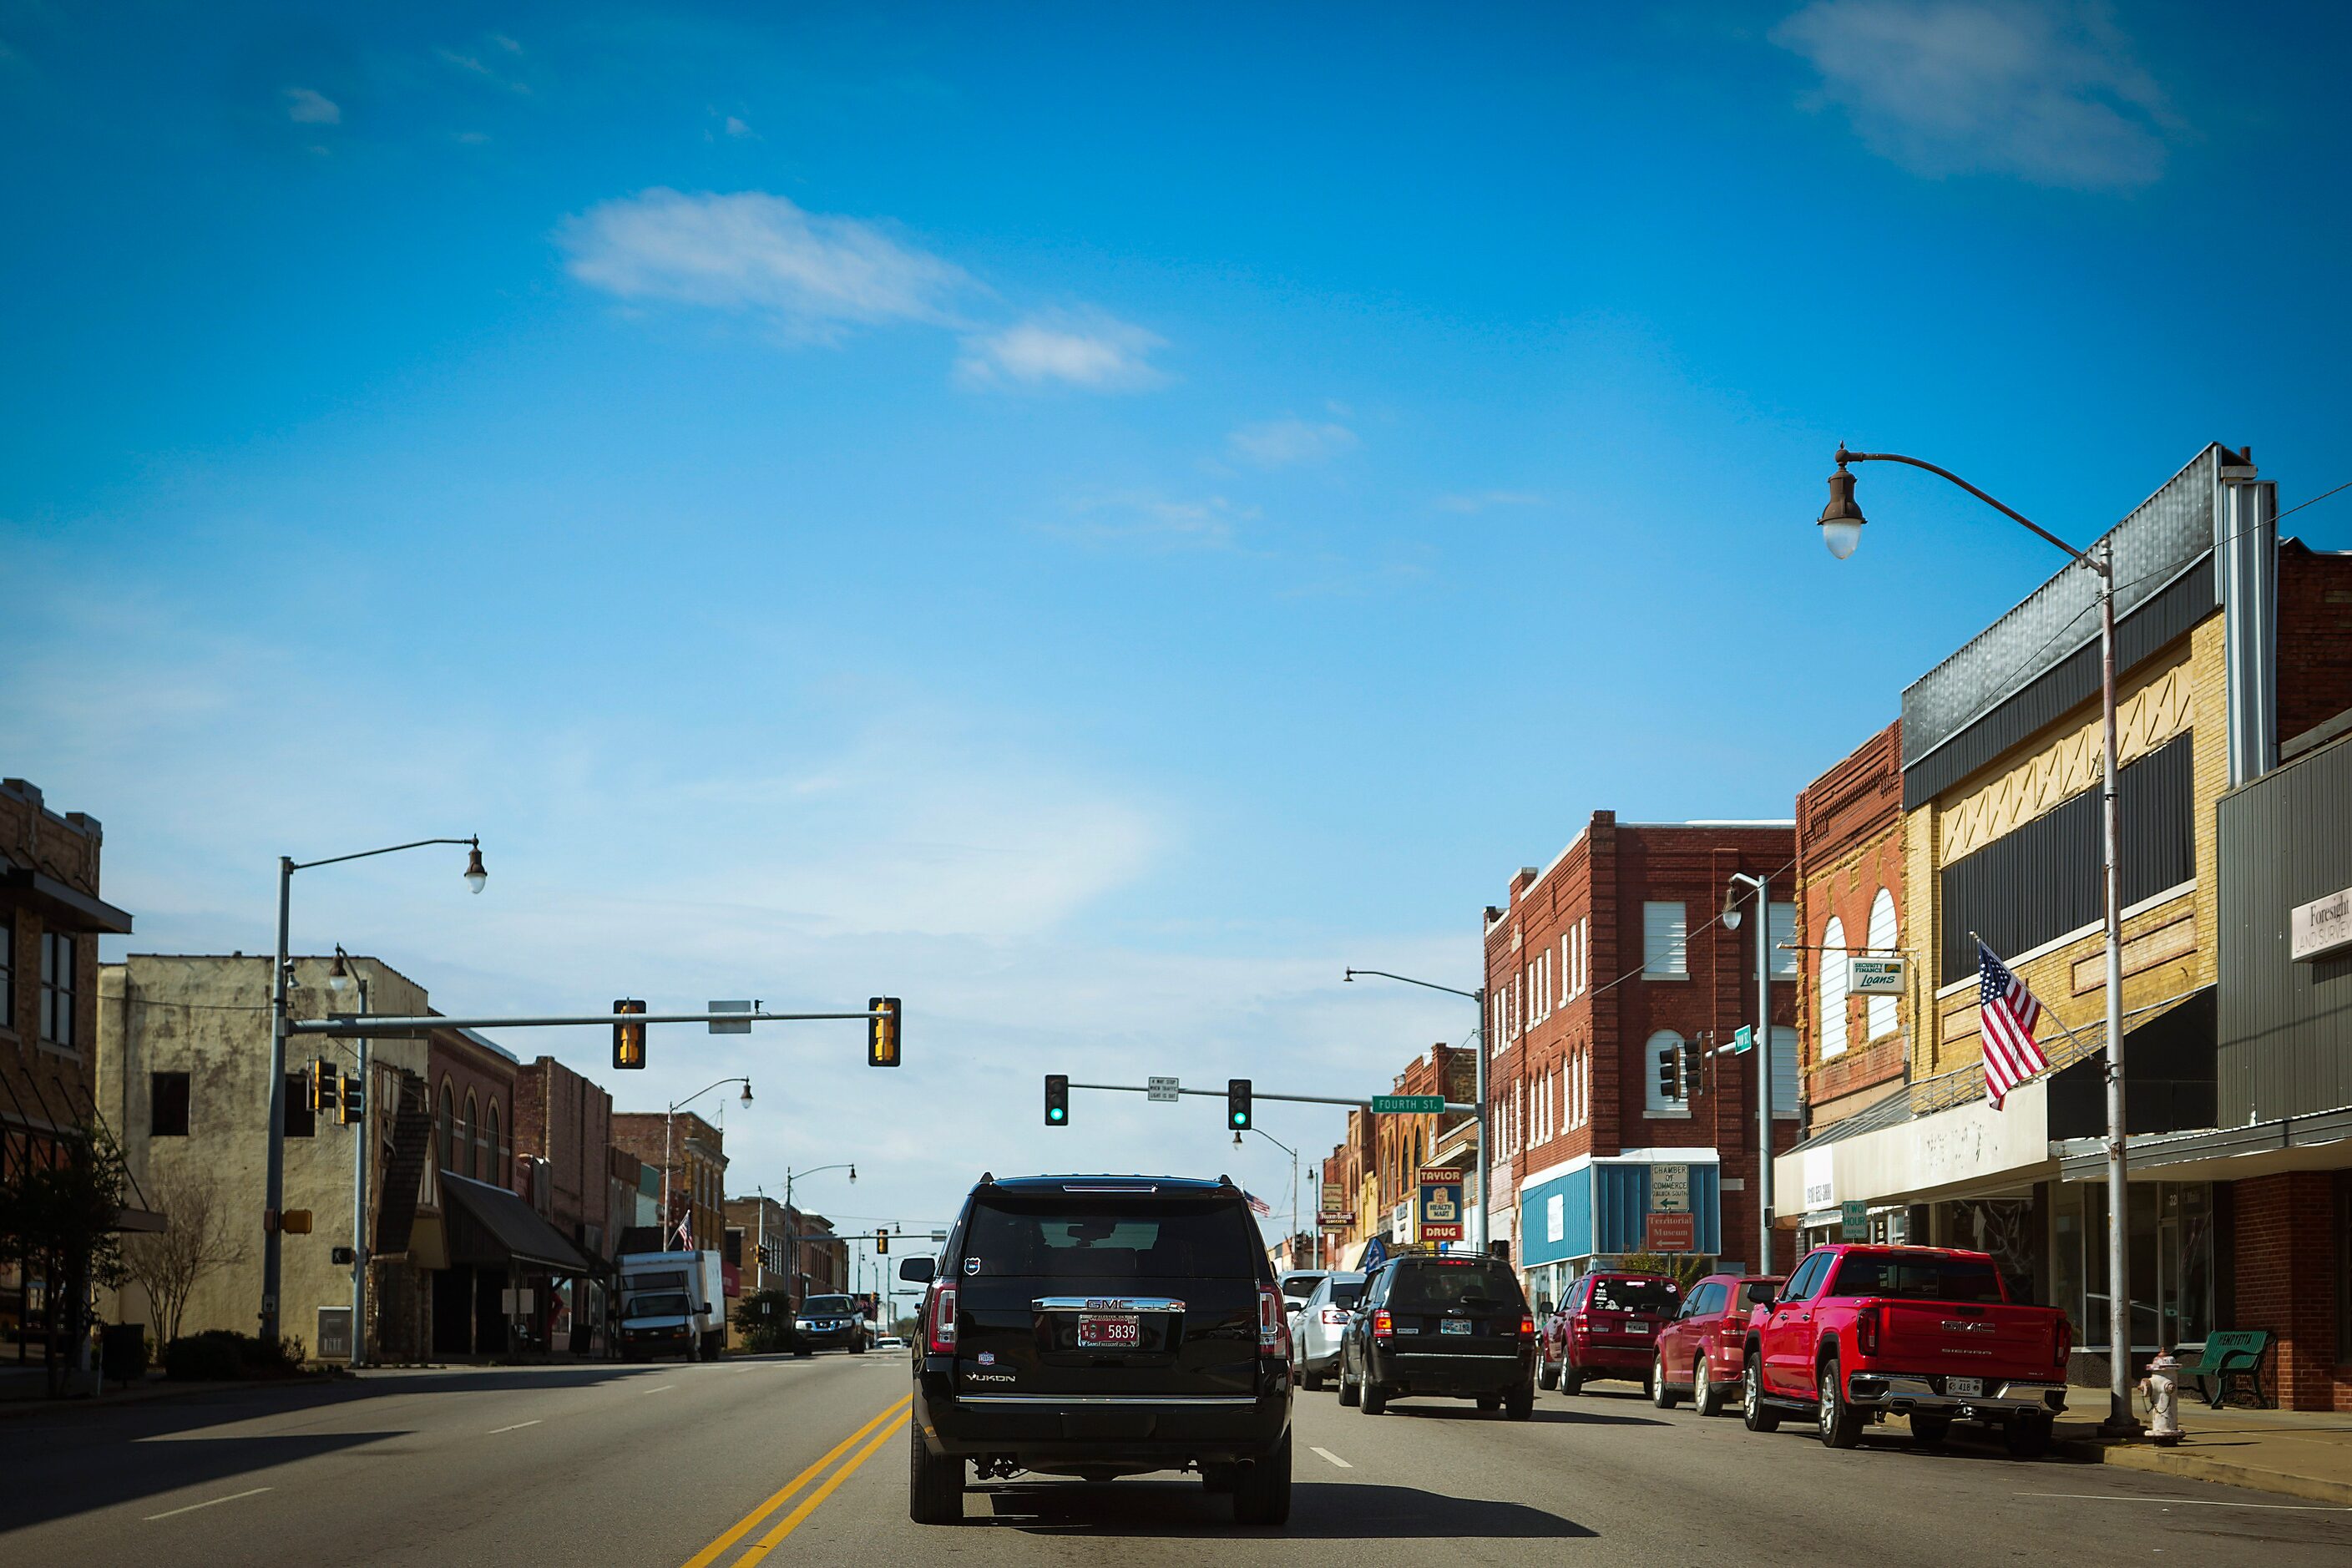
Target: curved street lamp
[(670, 1121)]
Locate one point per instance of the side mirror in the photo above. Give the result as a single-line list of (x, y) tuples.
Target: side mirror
[(917, 1269), (705, 1308), (1543, 1306)]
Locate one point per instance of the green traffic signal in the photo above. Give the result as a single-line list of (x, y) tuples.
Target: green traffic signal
[(1058, 1099)]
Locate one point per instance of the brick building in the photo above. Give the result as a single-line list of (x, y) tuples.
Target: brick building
[(50, 920), (562, 1157), (1610, 978), (693, 1153), (1850, 889)]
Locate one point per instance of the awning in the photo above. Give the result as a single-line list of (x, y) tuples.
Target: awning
[(490, 1226), (63, 906)]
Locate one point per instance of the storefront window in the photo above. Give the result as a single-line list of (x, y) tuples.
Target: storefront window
[(2066, 1256), (2171, 1262)]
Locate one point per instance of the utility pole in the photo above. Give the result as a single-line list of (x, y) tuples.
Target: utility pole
[(1763, 1049)]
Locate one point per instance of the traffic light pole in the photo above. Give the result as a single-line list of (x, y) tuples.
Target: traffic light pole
[(1255, 1093), (351, 1025)]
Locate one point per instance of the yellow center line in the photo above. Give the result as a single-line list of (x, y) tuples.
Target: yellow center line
[(792, 1520), (742, 1527)]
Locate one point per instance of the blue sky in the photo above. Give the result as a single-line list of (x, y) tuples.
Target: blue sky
[(1090, 520)]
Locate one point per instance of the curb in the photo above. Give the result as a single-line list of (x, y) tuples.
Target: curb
[(161, 1389), (2189, 1466)]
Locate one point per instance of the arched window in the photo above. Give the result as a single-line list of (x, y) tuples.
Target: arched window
[(1663, 1091), (1833, 984), (471, 1135), (494, 1149), (1883, 944), (449, 1130)]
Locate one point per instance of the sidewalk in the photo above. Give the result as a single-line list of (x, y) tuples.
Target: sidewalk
[(2300, 1454)]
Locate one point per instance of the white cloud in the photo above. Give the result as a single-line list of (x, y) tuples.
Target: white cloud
[(305, 106), (740, 132), (1147, 517), (1962, 86), (1081, 348), (813, 274), (1282, 443), (1471, 504)]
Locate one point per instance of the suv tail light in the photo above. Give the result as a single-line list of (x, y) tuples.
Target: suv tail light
[(1582, 1323), (1865, 1330), (1273, 1324), (1383, 1325), (1527, 1326), (940, 1332)]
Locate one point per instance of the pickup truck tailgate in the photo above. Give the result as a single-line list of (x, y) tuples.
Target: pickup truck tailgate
[(1980, 1339)]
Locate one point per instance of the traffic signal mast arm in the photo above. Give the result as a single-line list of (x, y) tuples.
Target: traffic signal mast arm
[(1358, 1102), (353, 1024)]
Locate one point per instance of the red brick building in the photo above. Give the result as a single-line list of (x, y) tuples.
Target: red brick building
[(1610, 979), (694, 1152), (1850, 901)]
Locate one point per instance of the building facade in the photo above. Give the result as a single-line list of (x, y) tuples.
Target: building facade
[(562, 1156), (1615, 981), (693, 1153), (1850, 888)]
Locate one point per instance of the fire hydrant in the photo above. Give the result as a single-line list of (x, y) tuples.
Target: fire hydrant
[(2162, 1387)]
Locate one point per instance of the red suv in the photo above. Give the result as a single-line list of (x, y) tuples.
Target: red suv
[(1607, 1327), (1701, 1353)]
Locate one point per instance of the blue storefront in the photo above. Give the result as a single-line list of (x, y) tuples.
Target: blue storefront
[(1586, 1212)]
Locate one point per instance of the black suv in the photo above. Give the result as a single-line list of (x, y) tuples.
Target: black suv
[(1101, 1326), (831, 1322), (1456, 1327)]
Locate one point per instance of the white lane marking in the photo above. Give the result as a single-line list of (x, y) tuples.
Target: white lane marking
[(193, 1506), (1335, 1458), (665, 1388), (516, 1427), (2191, 1501)]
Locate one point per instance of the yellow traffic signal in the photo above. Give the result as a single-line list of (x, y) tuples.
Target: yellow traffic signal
[(881, 1241), (882, 1031), (352, 1107), (628, 1039), (323, 1081), (294, 1222)]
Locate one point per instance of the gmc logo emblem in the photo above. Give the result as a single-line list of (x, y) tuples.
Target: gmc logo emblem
[(1961, 1326)]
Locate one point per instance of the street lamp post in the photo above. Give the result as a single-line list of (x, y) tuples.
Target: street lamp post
[(1842, 524), (668, 1122), (793, 1227), (274, 1166), (1294, 1191), (1763, 1049), (1479, 1093)]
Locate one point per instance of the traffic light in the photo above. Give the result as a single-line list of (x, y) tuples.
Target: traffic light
[(881, 1241), (882, 1032), (1670, 1076), (1237, 1103), (351, 1108), (628, 1039), (294, 1222), (1058, 1099), (324, 1081)]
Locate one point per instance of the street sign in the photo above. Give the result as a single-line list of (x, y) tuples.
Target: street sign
[(1671, 1233), (1875, 976), (1333, 1199), (1333, 1220), (1408, 1104), (1161, 1089), (1853, 1220), (719, 1028), (1670, 1189), (1743, 1039), (1441, 1203), (2319, 927)]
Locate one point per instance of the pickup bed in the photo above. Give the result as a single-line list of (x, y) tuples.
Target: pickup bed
[(1862, 1332)]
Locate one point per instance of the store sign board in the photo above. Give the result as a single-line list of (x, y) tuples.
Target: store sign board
[(2322, 926)]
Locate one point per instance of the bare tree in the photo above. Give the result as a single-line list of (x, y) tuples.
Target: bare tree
[(195, 1240)]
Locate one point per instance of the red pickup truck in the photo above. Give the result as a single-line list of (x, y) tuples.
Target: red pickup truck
[(1862, 1332)]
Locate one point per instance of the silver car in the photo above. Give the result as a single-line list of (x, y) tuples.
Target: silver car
[(1317, 1327)]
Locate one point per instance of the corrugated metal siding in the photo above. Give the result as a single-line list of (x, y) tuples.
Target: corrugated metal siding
[(2284, 1028), (1575, 1193), (2042, 659), (1622, 1205), (2041, 880)]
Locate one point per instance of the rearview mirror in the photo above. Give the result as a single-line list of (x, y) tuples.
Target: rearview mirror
[(918, 1270)]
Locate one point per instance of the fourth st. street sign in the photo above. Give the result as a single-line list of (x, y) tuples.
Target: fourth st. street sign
[(1408, 1104)]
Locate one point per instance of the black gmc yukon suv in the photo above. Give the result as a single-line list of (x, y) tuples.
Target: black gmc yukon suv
[(1101, 1326)]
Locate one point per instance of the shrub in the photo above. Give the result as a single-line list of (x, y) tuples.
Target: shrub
[(220, 1355)]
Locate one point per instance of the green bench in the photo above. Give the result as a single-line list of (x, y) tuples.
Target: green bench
[(2232, 1353)]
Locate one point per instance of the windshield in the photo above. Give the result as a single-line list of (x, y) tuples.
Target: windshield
[(1440, 1287), (1654, 1298), (1073, 1238), (826, 1306), (1916, 1277), (667, 1304)]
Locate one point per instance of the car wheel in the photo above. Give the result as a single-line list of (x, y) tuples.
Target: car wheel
[(1519, 1403), (857, 1347), (1705, 1395), (1840, 1422), (1375, 1397), (1262, 1496), (1312, 1381), (1548, 1377), (1928, 1431), (1754, 1413), (1662, 1393), (1348, 1392), (1571, 1380), (2028, 1436), (934, 1482)]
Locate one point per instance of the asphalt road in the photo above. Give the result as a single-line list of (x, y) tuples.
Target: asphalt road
[(715, 1465)]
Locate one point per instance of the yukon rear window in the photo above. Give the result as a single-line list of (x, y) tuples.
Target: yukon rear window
[(1437, 1288), (1916, 1278), (1054, 1237), (1657, 1297)]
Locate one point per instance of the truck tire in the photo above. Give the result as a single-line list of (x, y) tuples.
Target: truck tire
[(1548, 1377), (1754, 1413), (1707, 1394), (857, 1345), (1349, 1392), (2028, 1436), (1519, 1403), (1662, 1393), (1262, 1495), (934, 1482), (1375, 1399), (1571, 1380), (1838, 1422)]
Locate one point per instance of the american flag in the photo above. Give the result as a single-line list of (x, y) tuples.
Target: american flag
[(1257, 1204), (2010, 1016)]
